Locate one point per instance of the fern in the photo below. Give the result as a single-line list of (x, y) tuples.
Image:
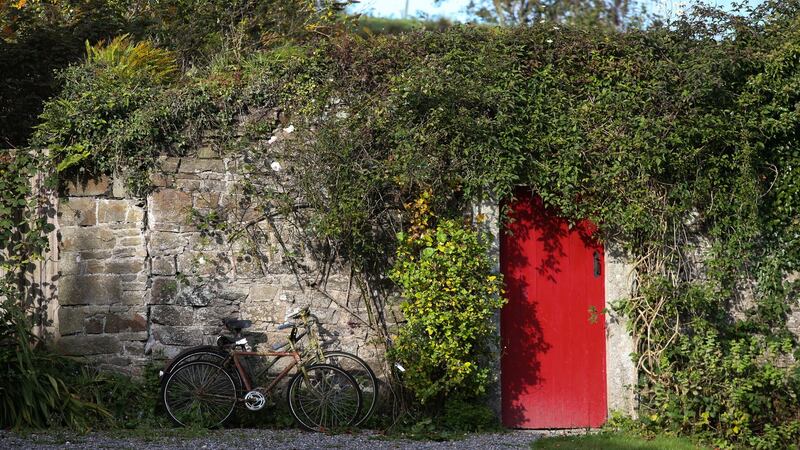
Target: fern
[(127, 59)]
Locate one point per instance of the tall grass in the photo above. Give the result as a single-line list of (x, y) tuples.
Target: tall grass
[(33, 390)]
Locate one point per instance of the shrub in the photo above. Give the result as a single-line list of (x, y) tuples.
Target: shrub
[(451, 294)]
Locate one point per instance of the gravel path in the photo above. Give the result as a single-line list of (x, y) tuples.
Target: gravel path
[(255, 438)]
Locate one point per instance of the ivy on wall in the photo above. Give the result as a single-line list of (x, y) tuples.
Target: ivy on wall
[(679, 141)]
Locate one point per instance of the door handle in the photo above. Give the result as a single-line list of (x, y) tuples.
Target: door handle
[(596, 264)]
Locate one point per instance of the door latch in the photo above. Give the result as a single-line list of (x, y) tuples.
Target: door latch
[(596, 264)]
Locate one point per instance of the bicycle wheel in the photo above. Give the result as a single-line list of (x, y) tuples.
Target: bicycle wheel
[(199, 393), (206, 353), (323, 398), (364, 376)]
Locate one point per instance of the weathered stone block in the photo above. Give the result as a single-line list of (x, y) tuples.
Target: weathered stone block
[(203, 263), (207, 151), (130, 230), (206, 200), (94, 266), (135, 215), (138, 337), (77, 212), (91, 238), (161, 179), (95, 254), (118, 188), (85, 187), (71, 263), (130, 252), (132, 298), (172, 315), (131, 241), (234, 292), (189, 183), (88, 345), (271, 312), (70, 320), (170, 164), (89, 290), (169, 206), (125, 265), (136, 285), (132, 322), (192, 165), (109, 211), (214, 315), (218, 186), (163, 265), (94, 325), (179, 335), (163, 291), (164, 243), (249, 266), (262, 292)]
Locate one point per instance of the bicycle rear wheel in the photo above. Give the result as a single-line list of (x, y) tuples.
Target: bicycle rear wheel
[(322, 397), (207, 353), (199, 394)]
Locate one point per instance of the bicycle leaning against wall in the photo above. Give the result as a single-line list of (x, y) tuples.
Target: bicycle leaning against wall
[(313, 352)]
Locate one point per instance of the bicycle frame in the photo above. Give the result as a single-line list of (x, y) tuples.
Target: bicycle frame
[(245, 376)]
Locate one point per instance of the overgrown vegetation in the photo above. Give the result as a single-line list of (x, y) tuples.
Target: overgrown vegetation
[(32, 385), (680, 142)]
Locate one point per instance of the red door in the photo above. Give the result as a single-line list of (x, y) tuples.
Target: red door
[(552, 329)]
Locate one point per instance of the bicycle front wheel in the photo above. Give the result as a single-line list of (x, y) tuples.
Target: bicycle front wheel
[(323, 397), (200, 394), (364, 376)]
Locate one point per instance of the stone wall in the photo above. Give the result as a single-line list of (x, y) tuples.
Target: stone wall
[(143, 278)]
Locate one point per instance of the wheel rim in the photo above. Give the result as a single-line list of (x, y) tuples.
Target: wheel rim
[(326, 398), (200, 393)]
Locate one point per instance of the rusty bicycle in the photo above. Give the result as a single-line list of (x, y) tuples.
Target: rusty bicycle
[(206, 393)]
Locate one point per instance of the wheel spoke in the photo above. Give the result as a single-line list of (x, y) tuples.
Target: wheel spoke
[(200, 393), (325, 397)]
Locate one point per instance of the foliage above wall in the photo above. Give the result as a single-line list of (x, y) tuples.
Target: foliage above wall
[(679, 141)]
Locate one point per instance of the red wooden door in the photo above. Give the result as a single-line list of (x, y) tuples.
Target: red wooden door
[(552, 329)]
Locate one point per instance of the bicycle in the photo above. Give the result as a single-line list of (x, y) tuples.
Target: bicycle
[(320, 396), (360, 370)]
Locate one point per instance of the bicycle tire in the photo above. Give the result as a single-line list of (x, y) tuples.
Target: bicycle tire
[(207, 353), (364, 376), (200, 394), (324, 397), (197, 353)]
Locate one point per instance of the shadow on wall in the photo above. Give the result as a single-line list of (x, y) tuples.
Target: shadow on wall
[(523, 341)]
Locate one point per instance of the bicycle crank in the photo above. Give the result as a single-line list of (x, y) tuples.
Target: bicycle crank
[(254, 400)]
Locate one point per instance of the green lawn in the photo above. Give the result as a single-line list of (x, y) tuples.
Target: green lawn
[(614, 441)]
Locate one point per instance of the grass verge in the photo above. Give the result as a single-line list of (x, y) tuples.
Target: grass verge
[(615, 441)]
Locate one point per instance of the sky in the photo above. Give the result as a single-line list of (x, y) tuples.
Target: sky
[(454, 9)]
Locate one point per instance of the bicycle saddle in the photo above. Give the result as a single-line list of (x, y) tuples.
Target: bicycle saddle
[(236, 325)]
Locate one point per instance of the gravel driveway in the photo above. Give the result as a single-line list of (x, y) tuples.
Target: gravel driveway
[(255, 438)]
